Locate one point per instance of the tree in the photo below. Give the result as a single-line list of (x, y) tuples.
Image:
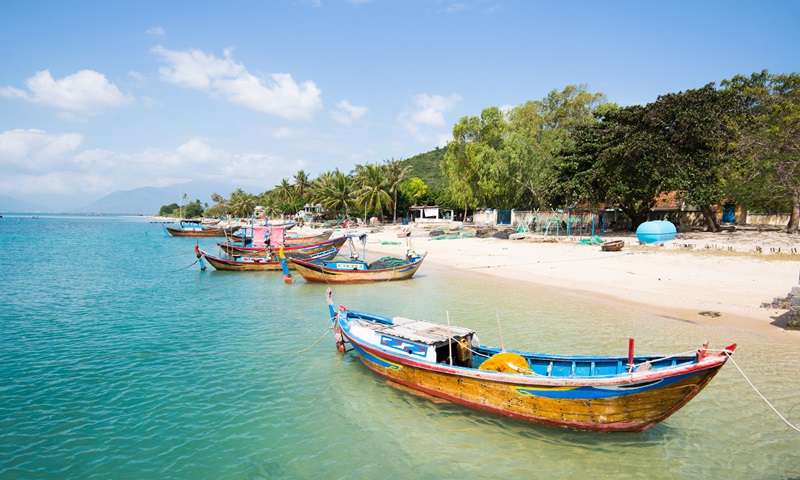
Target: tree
[(241, 204), (372, 189), (396, 173), (334, 191), (302, 182), (621, 160), (167, 210), (414, 188), (772, 138), (193, 209)]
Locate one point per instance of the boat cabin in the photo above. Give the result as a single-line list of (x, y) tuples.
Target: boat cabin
[(430, 341)]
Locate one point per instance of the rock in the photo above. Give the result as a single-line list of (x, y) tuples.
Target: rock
[(484, 232), (502, 234)]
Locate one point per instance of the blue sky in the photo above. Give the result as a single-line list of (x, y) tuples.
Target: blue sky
[(101, 96)]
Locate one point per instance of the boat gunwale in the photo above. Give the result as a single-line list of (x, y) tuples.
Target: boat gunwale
[(713, 360), (286, 248)]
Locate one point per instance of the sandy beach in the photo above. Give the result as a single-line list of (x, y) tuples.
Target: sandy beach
[(698, 284)]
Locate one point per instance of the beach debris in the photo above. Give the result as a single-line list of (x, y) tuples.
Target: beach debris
[(502, 234), (709, 313), (436, 233)]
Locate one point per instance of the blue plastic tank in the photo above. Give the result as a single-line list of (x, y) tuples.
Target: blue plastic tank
[(657, 231)]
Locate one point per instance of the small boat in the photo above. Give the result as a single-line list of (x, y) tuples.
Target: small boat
[(358, 271), (260, 264), (612, 246), (195, 229), (291, 250), (293, 240), (600, 393)]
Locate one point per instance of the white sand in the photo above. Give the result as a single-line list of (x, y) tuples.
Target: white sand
[(669, 280)]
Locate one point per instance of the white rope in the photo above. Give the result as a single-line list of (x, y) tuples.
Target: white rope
[(769, 404)]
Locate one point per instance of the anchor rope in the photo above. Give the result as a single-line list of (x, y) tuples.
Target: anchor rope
[(769, 404), (324, 332)]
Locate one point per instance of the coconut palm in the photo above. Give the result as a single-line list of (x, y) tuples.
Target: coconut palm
[(302, 182), (396, 172), (241, 203), (372, 189), (334, 191)]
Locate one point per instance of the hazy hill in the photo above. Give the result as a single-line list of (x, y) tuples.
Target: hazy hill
[(147, 200), (11, 204)]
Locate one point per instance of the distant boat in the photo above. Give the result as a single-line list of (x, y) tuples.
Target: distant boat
[(581, 392), (304, 249), (195, 229)]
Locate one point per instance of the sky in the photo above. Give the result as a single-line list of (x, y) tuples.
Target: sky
[(103, 96)]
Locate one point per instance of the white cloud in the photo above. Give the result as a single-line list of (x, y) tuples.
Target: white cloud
[(36, 162), (425, 121), (277, 95), (282, 132), (35, 150), (156, 31), (346, 113), (84, 92)]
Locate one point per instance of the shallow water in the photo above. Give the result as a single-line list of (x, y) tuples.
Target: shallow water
[(117, 362)]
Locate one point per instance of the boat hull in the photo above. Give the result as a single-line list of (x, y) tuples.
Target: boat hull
[(262, 264), (289, 250), (206, 232), (623, 407), (319, 273), (296, 240)]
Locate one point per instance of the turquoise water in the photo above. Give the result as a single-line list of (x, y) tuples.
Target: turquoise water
[(117, 362)]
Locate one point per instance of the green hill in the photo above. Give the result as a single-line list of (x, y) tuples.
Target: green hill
[(427, 166)]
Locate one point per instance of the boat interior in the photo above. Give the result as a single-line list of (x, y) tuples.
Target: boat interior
[(438, 342)]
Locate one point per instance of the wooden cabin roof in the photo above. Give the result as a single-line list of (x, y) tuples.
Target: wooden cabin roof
[(421, 331)]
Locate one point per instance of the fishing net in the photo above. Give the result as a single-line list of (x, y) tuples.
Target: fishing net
[(387, 262)]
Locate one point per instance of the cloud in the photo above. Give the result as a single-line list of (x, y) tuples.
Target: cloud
[(425, 121), (282, 132), (84, 92), (35, 150), (36, 162), (156, 31), (346, 113), (278, 94)]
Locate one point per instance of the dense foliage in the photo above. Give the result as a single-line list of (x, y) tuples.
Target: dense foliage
[(739, 141)]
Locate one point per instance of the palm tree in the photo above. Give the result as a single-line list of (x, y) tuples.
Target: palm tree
[(301, 183), (241, 203), (334, 191), (396, 173), (286, 196), (372, 192)]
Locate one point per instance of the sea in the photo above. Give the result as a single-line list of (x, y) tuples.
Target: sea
[(120, 359)]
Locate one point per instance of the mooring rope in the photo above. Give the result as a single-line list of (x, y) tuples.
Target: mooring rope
[(325, 332), (769, 404)]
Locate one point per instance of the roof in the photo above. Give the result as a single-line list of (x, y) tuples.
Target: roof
[(420, 331), (667, 201)]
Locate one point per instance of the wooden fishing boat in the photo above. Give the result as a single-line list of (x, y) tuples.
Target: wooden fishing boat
[(259, 264), (581, 392), (612, 246), (291, 250), (290, 240), (195, 229), (357, 271)]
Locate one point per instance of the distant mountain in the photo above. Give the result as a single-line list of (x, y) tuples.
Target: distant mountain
[(11, 204), (427, 166), (147, 200)]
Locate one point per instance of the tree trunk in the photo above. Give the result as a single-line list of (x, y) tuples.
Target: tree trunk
[(465, 214), (394, 215), (794, 218), (711, 218), (637, 217)]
